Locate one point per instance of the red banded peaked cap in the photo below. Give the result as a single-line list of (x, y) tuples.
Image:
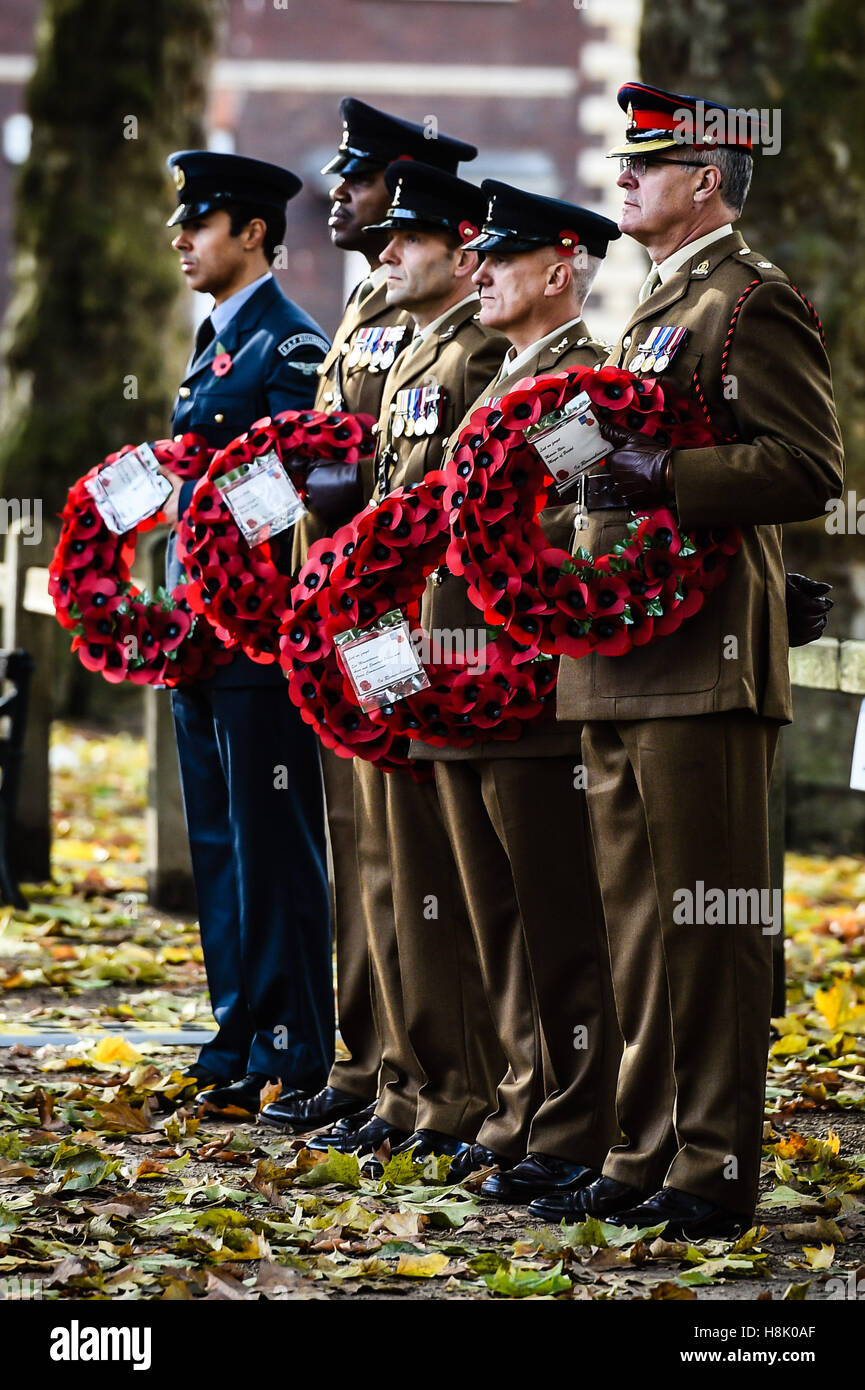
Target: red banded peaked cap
[(659, 120)]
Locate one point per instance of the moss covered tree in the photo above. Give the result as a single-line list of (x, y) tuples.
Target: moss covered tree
[(807, 205), (91, 344)]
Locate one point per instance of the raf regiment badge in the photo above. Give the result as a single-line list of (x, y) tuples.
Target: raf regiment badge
[(658, 350), (179, 177)]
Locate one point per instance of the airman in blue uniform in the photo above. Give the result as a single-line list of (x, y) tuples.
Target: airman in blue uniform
[(249, 766)]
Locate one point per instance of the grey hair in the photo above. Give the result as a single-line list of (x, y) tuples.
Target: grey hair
[(735, 166), (584, 271)]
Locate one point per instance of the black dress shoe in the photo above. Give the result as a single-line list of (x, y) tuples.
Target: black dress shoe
[(471, 1159), (535, 1176), (425, 1142), (362, 1138), (194, 1075), (600, 1198), (301, 1112), (237, 1095), (687, 1217), (331, 1138)]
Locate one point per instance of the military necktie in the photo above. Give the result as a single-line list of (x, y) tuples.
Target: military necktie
[(649, 285), (364, 290), (204, 337), (416, 342)]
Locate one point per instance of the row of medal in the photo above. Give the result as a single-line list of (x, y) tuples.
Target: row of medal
[(417, 411), (376, 348), (658, 351)]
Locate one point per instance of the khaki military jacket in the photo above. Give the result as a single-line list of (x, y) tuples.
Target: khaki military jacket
[(753, 351), (446, 605), (348, 382), (453, 364)]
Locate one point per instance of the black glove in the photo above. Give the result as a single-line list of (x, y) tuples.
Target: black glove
[(333, 490), (639, 469), (807, 609)]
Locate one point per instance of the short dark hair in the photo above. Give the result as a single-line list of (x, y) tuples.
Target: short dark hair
[(736, 167), (274, 220)]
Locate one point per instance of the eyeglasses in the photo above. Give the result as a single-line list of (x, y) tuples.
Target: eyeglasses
[(637, 164)]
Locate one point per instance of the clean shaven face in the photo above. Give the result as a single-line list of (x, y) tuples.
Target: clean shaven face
[(420, 269), (211, 259), (658, 201), (510, 286)]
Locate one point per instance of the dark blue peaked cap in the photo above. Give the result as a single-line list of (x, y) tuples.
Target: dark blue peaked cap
[(520, 221), (372, 139), (205, 180), (422, 196)]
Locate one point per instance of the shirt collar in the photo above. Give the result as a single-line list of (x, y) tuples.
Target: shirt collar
[(436, 324), (684, 253), (514, 360), (222, 314)]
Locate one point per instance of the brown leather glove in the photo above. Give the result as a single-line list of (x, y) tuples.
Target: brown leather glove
[(333, 490), (640, 470), (807, 609)]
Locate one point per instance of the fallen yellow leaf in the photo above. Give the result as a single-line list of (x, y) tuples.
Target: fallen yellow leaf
[(819, 1256), (422, 1266), (115, 1050)]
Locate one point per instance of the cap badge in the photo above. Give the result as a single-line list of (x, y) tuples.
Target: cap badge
[(397, 194), (490, 209), (179, 177), (630, 113), (568, 242), (467, 230)]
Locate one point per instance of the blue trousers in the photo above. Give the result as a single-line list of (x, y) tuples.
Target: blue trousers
[(259, 864)]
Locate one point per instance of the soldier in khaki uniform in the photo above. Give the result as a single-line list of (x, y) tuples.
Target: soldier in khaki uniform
[(514, 811), (679, 736), (422, 961), (352, 378)]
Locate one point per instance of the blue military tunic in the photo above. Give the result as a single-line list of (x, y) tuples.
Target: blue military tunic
[(249, 765)]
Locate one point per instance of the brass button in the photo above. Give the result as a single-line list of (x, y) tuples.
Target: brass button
[(626, 341), (184, 392), (374, 429), (219, 417), (328, 396), (177, 438)]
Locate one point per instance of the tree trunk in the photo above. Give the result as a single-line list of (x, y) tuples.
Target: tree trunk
[(92, 343), (806, 208)]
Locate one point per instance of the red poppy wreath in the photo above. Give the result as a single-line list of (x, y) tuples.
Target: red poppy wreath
[(486, 503), (547, 600), (122, 631), (239, 587), (377, 563)]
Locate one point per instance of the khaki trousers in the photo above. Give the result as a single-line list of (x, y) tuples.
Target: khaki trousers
[(445, 1009), (678, 807), (519, 832), (358, 1074), (400, 1077)]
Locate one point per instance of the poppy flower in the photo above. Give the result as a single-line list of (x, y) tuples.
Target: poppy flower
[(221, 364), (610, 388), (520, 408), (611, 637)]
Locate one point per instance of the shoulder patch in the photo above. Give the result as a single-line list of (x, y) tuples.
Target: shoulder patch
[(302, 340)]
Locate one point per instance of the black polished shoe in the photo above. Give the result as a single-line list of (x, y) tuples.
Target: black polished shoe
[(600, 1198), (365, 1139), (425, 1142), (687, 1217), (300, 1112), (535, 1176), (472, 1159), (202, 1078), (335, 1134), (237, 1095)]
